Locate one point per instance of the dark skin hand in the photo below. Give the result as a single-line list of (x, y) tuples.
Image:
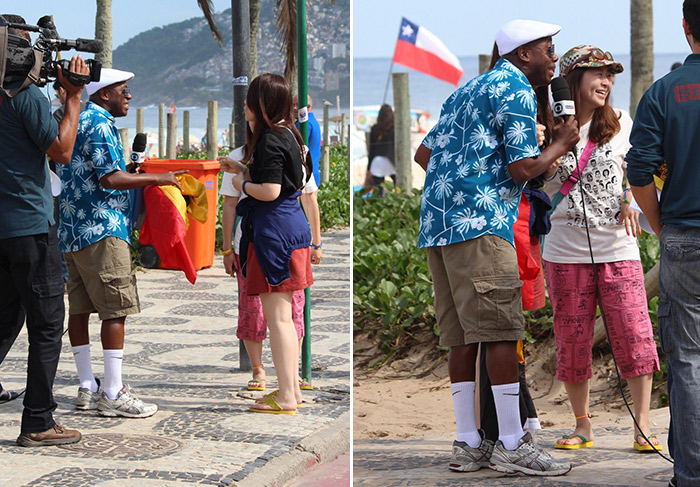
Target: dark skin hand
[(125, 180)]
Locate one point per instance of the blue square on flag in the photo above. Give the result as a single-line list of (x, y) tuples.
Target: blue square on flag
[(409, 31)]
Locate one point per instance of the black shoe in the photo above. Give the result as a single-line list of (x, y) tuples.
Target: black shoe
[(672, 482), (6, 396)]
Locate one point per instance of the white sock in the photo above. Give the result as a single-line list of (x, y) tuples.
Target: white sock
[(113, 372), (81, 354), (507, 400), (463, 400), (532, 425)]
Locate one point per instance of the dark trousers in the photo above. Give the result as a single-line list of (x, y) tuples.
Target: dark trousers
[(31, 282)]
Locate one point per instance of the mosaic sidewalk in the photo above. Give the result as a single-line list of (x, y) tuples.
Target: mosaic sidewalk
[(182, 353), (423, 462)]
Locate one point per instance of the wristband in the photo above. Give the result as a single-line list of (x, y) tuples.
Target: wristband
[(316, 247), (243, 187), (553, 175), (226, 252)]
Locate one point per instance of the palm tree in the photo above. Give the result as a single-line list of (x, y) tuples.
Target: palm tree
[(641, 49), (103, 31)]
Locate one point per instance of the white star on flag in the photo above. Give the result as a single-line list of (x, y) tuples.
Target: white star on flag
[(406, 30)]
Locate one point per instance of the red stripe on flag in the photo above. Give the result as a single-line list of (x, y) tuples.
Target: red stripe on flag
[(413, 57)]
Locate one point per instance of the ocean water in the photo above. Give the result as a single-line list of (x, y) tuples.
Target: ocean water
[(428, 93)]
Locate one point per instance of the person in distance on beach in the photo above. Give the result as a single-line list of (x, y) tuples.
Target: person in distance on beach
[(477, 158)]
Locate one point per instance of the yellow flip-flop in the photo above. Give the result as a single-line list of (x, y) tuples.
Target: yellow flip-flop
[(648, 447), (274, 407), (274, 393), (584, 443)]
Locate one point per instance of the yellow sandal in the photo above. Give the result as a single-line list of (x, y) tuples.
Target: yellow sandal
[(255, 384), (648, 447)]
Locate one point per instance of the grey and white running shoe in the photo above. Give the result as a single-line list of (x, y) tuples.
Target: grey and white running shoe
[(125, 405), (527, 458), (87, 400), (468, 459)]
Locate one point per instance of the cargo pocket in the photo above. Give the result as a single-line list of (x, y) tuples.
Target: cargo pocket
[(663, 315), (49, 305), (120, 290), (499, 304)]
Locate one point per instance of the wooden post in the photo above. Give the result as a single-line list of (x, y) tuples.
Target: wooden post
[(186, 130), (232, 136), (139, 121), (161, 130), (484, 61), (212, 124), (402, 131), (124, 134), (171, 145), (342, 129), (325, 159)]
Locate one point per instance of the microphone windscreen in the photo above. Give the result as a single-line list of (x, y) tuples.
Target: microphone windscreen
[(139, 144), (560, 89), (89, 45)]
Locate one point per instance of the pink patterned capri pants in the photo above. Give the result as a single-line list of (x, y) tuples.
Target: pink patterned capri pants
[(252, 325), (573, 294)]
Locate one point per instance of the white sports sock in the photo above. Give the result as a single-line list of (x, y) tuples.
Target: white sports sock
[(113, 372), (507, 400), (463, 400), (81, 354)]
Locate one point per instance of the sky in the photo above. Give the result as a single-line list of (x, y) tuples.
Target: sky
[(129, 17), (468, 27)]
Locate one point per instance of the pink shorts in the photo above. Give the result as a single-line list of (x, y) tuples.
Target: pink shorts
[(252, 325), (574, 297)]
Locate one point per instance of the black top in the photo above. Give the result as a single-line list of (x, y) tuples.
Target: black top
[(380, 145), (277, 159)]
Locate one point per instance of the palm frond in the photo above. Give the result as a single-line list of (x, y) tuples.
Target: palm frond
[(207, 9), (286, 26)]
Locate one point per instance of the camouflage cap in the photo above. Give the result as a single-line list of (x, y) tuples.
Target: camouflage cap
[(587, 56)]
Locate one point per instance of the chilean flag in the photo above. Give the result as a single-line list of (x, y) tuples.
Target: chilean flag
[(419, 49)]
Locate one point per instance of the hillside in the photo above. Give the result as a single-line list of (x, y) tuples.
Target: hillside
[(181, 63)]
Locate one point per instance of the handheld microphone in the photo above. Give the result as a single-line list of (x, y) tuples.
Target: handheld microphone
[(138, 149), (563, 105)]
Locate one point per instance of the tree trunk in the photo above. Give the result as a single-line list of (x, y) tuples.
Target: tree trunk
[(103, 31), (254, 23), (641, 49)]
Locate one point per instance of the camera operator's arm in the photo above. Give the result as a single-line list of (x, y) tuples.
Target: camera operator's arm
[(61, 149), (124, 180)]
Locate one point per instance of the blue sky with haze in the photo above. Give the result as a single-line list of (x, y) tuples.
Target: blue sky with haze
[(468, 27)]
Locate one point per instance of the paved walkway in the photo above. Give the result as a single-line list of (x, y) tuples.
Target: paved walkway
[(182, 353), (423, 462)]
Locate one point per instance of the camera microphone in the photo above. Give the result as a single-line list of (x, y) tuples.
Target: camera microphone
[(563, 104), (138, 149)]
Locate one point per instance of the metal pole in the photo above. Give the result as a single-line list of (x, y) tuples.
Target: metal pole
[(402, 131), (240, 24), (304, 129), (171, 144), (212, 124), (161, 130)]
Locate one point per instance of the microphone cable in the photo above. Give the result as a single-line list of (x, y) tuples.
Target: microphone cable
[(604, 316)]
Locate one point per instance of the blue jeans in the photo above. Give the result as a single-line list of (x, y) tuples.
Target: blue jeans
[(679, 332)]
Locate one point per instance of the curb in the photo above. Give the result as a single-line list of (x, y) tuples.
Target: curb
[(319, 447)]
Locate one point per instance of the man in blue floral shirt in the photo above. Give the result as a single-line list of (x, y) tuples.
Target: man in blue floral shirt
[(477, 158), (95, 236)]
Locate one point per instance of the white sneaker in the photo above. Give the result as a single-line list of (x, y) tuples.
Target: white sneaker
[(125, 405), (87, 400), (528, 458)]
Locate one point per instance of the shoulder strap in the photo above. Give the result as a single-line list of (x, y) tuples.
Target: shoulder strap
[(575, 175)]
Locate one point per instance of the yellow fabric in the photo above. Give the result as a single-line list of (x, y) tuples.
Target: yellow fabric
[(521, 357), (198, 204)]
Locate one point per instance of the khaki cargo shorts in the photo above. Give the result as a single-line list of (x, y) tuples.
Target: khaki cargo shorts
[(100, 279), (477, 291)]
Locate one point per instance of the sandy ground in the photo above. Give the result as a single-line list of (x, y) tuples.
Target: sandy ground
[(391, 402)]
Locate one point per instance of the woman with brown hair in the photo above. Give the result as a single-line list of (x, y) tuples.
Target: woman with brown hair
[(274, 248), (381, 150), (592, 207)]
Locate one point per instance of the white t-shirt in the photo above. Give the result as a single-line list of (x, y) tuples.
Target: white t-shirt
[(227, 189), (601, 181)]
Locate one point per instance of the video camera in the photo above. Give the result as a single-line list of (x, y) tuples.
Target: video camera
[(21, 61)]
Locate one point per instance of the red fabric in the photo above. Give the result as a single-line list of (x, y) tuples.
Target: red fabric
[(426, 62), (164, 228), (529, 262), (299, 266)]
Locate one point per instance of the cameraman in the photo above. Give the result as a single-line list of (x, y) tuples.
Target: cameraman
[(30, 262)]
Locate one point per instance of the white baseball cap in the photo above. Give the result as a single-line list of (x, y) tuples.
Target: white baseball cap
[(518, 32), (108, 77)]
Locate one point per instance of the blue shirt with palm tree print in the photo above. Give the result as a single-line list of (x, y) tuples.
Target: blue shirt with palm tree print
[(89, 212), (484, 126)]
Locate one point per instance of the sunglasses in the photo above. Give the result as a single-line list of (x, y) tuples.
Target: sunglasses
[(598, 55), (549, 51), (125, 92)]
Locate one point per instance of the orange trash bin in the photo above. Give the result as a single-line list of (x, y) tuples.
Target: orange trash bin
[(201, 237)]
